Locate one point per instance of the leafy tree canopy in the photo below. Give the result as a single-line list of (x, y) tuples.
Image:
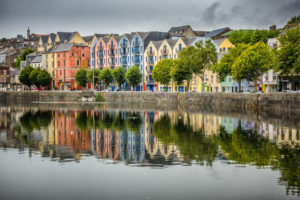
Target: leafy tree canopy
[(162, 71), (119, 75), (289, 53), (24, 75), (33, 77), (133, 76), (43, 78), (94, 73), (106, 76), (81, 77), (22, 57), (252, 36)]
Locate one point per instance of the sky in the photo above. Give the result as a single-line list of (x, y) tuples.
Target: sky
[(123, 16)]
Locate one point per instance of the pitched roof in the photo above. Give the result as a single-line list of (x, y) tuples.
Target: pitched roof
[(189, 41), (52, 36), (44, 39), (157, 44), (63, 47), (217, 32), (98, 35), (172, 42), (179, 28), (219, 41), (37, 59), (66, 36), (88, 38)]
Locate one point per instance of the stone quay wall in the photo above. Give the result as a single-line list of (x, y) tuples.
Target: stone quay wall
[(226, 101)]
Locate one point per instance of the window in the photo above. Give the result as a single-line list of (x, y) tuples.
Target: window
[(58, 55), (58, 63), (221, 49), (64, 62), (180, 46), (72, 54), (212, 78), (228, 48), (224, 49), (77, 63), (83, 55)]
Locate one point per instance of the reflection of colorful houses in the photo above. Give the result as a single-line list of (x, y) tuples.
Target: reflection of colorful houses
[(69, 135), (107, 144), (288, 136), (156, 148), (229, 123), (132, 146)]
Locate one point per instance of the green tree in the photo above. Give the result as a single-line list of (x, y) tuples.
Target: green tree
[(93, 74), (289, 53), (81, 77), (44, 78), (119, 75), (294, 20), (33, 77), (24, 75), (224, 67), (181, 72), (203, 58), (22, 57), (106, 76), (253, 63), (3, 40), (251, 36), (133, 76), (162, 71)]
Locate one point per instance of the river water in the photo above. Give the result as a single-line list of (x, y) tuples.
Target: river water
[(75, 152)]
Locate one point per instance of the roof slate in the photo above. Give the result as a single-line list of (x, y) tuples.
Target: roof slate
[(37, 59), (65, 36), (217, 32)]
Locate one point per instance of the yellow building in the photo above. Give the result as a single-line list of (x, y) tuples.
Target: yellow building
[(224, 45), (150, 60), (69, 37)]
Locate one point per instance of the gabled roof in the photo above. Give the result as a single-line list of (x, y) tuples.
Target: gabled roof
[(179, 28), (88, 38), (98, 35), (171, 42), (66, 36), (157, 44), (117, 38), (189, 41), (37, 59), (217, 32), (219, 41), (44, 39), (63, 47), (52, 37)]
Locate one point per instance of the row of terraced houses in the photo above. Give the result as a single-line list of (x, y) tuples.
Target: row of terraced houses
[(64, 53)]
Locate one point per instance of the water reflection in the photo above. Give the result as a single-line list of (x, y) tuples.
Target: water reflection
[(155, 139)]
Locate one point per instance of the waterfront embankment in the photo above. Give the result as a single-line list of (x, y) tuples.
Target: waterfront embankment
[(273, 102)]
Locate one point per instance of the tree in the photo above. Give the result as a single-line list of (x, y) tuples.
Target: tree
[(289, 54), (162, 71), (33, 77), (204, 57), (119, 76), (106, 76), (93, 74), (294, 20), (22, 57), (3, 40), (81, 77), (133, 76), (24, 75), (44, 78), (181, 72), (253, 63), (252, 36), (224, 67)]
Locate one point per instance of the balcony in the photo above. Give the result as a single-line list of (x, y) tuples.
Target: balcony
[(150, 62), (112, 63), (101, 48), (149, 70), (124, 44), (165, 52), (150, 53), (136, 43), (137, 62), (123, 53), (101, 55), (136, 52)]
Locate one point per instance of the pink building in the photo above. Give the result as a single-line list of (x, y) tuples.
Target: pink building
[(106, 52)]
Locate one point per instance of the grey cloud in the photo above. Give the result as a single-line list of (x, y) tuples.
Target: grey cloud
[(119, 16)]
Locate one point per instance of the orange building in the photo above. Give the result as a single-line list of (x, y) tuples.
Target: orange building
[(69, 59)]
